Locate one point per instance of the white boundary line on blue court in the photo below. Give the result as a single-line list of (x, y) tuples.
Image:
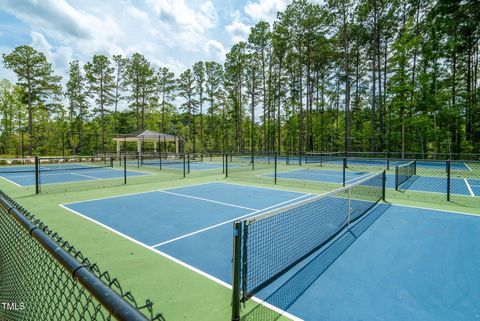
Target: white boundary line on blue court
[(229, 221), (469, 187), (437, 210), (13, 181), (469, 168), (208, 200), (131, 194), (188, 266)]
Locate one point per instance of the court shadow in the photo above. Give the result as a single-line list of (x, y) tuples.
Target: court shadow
[(289, 291)]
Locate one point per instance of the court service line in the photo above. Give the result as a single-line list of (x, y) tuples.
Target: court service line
[(469, 187), (185, 265), (83, 175), (230, 221), (209, 200), (132, 194)]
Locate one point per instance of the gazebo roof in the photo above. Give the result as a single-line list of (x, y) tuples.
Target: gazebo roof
[(146, 136)]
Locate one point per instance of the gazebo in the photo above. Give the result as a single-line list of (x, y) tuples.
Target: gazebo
[(148, 136)]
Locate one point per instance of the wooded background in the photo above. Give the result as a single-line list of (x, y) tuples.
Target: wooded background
[(369, 75)]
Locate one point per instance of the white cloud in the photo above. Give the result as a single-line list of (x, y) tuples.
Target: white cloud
[(215, 49), (172, 33), (180, 15), (60, 56), (238, 31), (265, 9)]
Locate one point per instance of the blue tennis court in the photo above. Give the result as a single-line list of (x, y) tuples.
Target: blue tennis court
[(408, 264), (25, 175), (459, 186)]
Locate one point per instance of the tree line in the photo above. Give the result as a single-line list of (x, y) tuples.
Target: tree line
[(348, 75)]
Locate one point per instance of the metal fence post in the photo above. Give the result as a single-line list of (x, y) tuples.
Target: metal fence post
[(396, 178), (344, 170), (275, 168), (125, 169), (449, 170), (37, 176), (226, 165), (184, 164), (384, 184), (237, 254)]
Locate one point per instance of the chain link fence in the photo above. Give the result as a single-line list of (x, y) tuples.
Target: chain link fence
[(43, 277)]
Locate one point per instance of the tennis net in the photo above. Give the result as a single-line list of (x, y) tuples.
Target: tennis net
[(268, 245), (404, 172), (320, 158)]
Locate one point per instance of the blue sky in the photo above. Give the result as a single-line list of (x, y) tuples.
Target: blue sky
[(172, 33)]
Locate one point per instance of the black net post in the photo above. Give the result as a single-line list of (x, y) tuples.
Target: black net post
[(275, 159), (124, 169), (449, 172), (160, 160), (37, 176), (388, 164), (344, 170), (188, 163), (223, 163), (237, 259)]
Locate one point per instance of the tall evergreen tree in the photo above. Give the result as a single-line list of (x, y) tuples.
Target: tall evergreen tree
[(35, 75), (100, 77)]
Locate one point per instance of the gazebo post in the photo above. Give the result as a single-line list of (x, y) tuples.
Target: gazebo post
[(155, 147), (118, 148), (139, 147)]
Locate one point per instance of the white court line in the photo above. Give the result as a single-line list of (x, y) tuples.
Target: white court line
[(438, 210), (229, 221), (12, 181), (469, 187), (185, 265), (469, 168), (132, 194), (358, 178), (209, 200), (83, 175)]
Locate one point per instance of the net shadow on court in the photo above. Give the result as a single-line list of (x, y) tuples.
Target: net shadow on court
[(289, 290)]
